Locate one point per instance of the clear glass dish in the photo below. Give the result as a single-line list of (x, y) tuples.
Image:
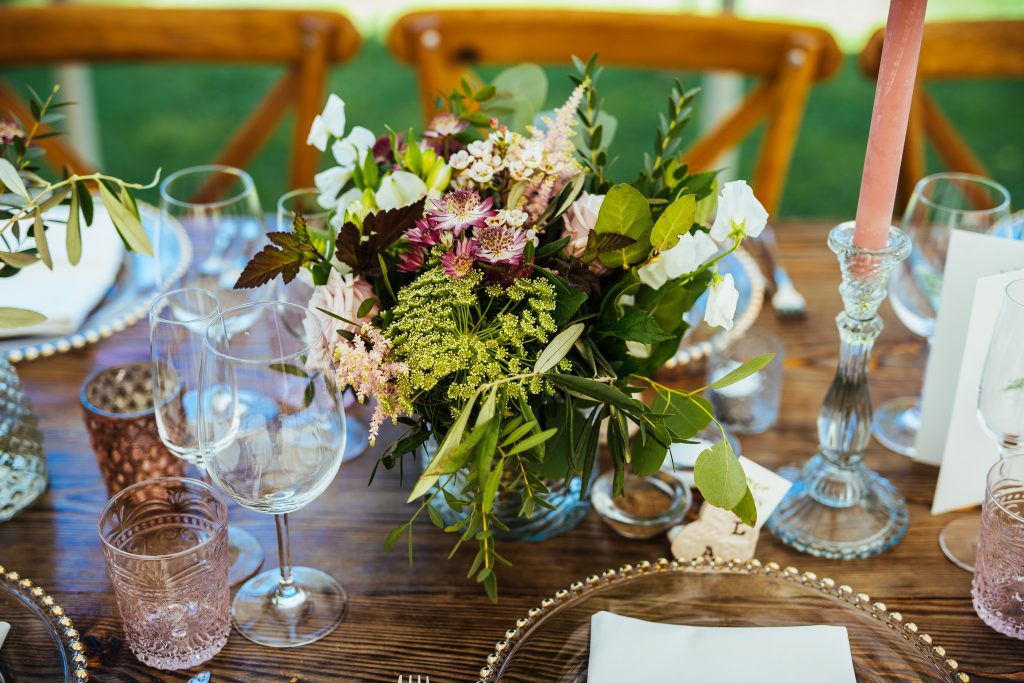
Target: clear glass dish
[(552, 642)]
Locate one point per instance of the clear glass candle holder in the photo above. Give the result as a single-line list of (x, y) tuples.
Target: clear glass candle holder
[(999, 571), (750, 406)]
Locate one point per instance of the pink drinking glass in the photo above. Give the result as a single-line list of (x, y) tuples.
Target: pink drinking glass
[(166, 545), (999, 572)]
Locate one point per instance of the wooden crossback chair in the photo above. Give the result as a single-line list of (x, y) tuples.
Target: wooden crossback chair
[(307, 42), (949, 50), (788, 58)]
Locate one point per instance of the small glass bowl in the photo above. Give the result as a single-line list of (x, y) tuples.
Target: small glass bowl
[(648, 506)]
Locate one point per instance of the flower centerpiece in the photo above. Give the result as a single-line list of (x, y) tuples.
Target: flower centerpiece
[(493, 290)]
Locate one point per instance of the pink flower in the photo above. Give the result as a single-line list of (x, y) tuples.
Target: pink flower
[(366, 369), (341, 296), (501, 243), (579, 221), (9, 129), (411, 261), (460, 260), (459, 210), (423, 234)]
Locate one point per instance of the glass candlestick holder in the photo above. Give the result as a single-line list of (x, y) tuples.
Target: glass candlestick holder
[(837, 507)]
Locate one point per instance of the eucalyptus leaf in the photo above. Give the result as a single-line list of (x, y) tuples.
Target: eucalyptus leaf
[(743, 371), (451, 441), (11, 317), (11, 179), (600, 391), (289, 369), (720, 477), (533, 441), (73, 234), (558, 347), (126, 221), (18, 259), (746, 510), (42, 244)]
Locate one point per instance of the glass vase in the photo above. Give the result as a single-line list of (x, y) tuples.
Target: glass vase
[(570, 502), (22, 460), (837, 507)]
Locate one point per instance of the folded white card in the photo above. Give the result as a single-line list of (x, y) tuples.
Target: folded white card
[(969, 451), (626, 650), (970, 256), (67, 294)]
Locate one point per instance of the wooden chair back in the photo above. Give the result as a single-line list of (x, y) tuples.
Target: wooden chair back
[(786, 58), (949, 51), (306, 42)]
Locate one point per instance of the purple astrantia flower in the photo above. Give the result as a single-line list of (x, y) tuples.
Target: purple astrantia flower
[(459, 210), (500, 243), (9, 129), (445, 125), (411, 261), (423, 234), (460, 260)]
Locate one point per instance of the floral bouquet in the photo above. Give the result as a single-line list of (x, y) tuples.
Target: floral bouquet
[(491, 289)]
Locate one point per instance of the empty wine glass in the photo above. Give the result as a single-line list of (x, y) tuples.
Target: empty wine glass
[(177, 330), (939, 204), (274, 456), (299, 290), (1000, 409), (219, 210)]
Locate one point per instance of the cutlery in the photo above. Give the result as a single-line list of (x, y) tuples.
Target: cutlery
[(786, 300)]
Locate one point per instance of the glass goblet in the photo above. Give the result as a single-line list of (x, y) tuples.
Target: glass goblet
[(1000, 409), (177, 328), (275, 461), (940, 203), (299, 290)]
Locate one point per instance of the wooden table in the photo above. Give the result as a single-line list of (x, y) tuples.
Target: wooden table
[(427, 619)]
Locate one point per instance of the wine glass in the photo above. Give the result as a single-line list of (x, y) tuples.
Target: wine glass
[(177, 329), (939, 204), (275, 460), (1000, 409), (219, 210), (300, 290)]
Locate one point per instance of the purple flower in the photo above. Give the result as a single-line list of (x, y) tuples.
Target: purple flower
[(459, 210), (500, 243), (460, 260), (9, 129), (445, 125), (423, 234), (411, 261)]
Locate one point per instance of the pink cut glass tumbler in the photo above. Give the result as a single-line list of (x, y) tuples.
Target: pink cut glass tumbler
[(166, 545), (998, 587)]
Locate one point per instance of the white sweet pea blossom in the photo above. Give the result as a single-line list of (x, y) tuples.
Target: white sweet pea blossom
[(690, 253), (739, 213), (348, 151), (722, 299), (346, 200), (329, 184), (330, 122), (399, 189)]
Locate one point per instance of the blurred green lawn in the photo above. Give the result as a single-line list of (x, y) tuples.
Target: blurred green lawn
[(177, 116)]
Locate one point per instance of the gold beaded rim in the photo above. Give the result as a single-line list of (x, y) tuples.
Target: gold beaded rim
[(701, 565), (57, 617)]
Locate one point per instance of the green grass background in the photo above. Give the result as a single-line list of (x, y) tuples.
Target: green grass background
[(175, 116)]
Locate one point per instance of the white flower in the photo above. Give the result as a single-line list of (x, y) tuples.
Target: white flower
[(579, 220), (638, 350), (518, 170), (349, 151), (690, 253), (481, 172), (398, 189), (331, 121), (739, 212), (481, 149), (342, 295), (329, 184), (722, 300), (653, 274), (460, 160), (341, 208), (514, 217), (532, 154)]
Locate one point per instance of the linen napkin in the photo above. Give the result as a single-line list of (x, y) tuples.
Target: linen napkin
[(67, 294), (626, 650)]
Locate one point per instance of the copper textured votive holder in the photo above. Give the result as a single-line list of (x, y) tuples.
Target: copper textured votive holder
[(117, 404)]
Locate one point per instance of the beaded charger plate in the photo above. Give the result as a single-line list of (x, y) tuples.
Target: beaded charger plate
[(552, 642), (43, 644)]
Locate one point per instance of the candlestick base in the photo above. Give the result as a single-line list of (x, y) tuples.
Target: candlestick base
[(837, 507)]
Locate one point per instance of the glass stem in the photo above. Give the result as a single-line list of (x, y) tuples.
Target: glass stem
[(286, 589)]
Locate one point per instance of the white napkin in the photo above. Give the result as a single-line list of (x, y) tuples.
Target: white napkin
[(67, 294), (5, 628), (625, 650)]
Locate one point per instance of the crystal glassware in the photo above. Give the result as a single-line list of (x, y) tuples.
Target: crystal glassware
[(999, 579), (1000, 409), (117, 405), (939, 204), (750, 406), (177, 330), (275, 456), (22, 460), (299, 291), (220, 212), (166, 545), (838, 508)]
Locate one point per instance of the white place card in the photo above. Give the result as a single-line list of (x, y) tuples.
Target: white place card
[(969, 451), (970, 256)]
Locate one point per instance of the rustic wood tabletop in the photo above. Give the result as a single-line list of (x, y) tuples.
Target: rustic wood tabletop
[(428, 619)]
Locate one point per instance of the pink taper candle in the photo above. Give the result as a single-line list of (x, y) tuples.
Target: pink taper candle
[(889, 118)]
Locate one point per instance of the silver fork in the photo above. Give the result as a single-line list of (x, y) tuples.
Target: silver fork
[(408, 679), (786, 300)]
